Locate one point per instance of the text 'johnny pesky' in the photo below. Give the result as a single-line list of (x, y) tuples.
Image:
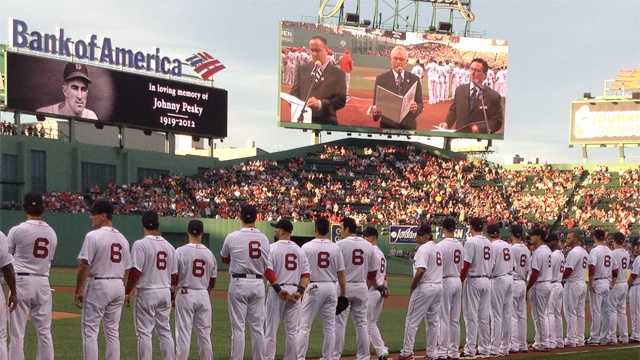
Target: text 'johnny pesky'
[(174, 106)]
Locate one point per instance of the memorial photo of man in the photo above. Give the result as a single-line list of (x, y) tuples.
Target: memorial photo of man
[(323, 82), (75, 89), (476, 108), (399, 81)]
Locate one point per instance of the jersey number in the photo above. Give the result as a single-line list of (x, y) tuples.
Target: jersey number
[(506, 254), (457, 256), (523, 260), (584, 262), (323, 260), (254, 249), (41, 248), (197, 269), (383, 264), (161, 260), (116, 253), (438, 258), (356, 257), (487, 253), (290, 262), (623, 263), (549, 260), (607, 261)]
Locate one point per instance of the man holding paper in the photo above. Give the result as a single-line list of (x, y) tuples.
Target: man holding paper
[(397, 94), (321, 84), (476, 108)]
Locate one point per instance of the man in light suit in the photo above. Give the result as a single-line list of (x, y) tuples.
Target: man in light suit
[(399, 81), (476, 108)]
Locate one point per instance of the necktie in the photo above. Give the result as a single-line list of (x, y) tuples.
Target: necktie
[(474, 97), (399, 83)]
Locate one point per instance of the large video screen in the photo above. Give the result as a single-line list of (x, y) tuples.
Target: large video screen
[(605, 121), (79, 91), (357, 79)]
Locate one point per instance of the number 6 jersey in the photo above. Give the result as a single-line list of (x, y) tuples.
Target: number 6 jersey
[(107, 252), (33, 246), (155, 258), (196, 266), (248, 250)]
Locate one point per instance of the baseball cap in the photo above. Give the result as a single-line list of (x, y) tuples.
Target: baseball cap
[(283, 224), (476, 223), (537, 232), (248, 213), (599, 234), (424, 229), (493, 229), (517, 230), (33, 203), (195, 227), (369, 231), (150, 220), (75, 70), (101, 206), (618, 237)]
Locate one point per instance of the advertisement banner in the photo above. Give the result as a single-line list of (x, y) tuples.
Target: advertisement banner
[(605, 122)]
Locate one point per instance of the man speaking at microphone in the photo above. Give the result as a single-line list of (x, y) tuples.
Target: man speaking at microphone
[(475, 108), (321, 84)]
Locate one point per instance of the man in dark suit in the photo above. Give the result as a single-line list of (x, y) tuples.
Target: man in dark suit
[(399, 81), (326, 82), (475, 108)]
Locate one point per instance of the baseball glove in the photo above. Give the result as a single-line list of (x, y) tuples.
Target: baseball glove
[(343, 304), (384, 291)]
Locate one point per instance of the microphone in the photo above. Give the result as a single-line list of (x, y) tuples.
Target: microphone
[(316, 72), (315, 75)]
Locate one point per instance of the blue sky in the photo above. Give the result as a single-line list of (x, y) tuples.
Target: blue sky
[(558, 50)]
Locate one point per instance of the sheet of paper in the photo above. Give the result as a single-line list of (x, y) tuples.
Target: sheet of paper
[(394, 106), (296, 107)]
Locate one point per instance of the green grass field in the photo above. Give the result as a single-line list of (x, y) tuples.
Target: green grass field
[(67, 339)]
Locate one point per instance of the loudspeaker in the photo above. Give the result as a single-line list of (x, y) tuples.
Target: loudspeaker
[(444, 27), (353, 18)]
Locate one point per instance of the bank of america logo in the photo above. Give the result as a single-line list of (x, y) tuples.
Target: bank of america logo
[(205, 65)]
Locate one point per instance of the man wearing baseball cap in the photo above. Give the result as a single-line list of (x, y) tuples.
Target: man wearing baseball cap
[(75, 89)]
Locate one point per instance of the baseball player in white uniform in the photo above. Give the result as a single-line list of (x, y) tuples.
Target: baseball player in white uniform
[(602, 268), (452, 254), (377, 293), (327, 266), (539, 289), (247, 253), (292, 270), (426, 294), (575, 289), (634, 298), (501, 293), (104, 258), (476, 295), (618, 294), (520, 254), (433, 77), (33, 246), (197, 272), (360, 268), (6, 265), (555, 300), (153, 274)]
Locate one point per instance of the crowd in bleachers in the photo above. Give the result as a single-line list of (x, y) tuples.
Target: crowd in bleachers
[(381, 185)]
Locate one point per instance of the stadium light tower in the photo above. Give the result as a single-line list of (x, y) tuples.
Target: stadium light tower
[(399, 15)]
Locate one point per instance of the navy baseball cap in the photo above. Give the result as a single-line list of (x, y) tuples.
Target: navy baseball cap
[(493, 229), (424, 229), (195, 227), (76, 71), (476, 223), (101, 206), (449, 224), (248, 213), (33, 203), (517, 231), (537, 232), (283, 224), (150, 220)]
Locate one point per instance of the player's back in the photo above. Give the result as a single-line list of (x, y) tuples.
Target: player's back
[(107, 252), (601, 258), (557, 265), (541, 260), (155, 258), (578, 261), (248, 250), (196, 265), (452, 255), (325, 260), (477, 252), (381, 275), (433, 262), (289, 262), (501, 258), (521, 255), (622, 258), (33, 245), (357, 254)]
